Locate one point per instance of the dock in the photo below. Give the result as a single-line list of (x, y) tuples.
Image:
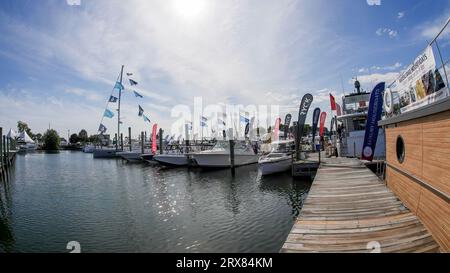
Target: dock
[(349, 209), (306, 167)]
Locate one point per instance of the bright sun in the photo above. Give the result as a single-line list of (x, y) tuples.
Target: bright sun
[(190, 9)]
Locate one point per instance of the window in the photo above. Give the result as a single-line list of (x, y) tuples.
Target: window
[(400, 149)]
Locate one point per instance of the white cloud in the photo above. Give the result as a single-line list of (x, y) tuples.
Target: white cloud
[(88, 94), (73, 2), (369, 80), (387, 31), (400, 15), (430, 29)]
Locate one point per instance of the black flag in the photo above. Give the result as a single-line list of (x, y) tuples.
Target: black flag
[(141, 111), (287, 123), (302, 112), (315, 121), (247, 128), (132, 82)]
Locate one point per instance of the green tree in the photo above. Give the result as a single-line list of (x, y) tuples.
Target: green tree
[(74, 138), (93, 139), (83, 136), (51, 140), (38, 137), (23, 126)]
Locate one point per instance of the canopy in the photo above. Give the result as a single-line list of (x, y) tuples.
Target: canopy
[(25, 137), (11, 134)]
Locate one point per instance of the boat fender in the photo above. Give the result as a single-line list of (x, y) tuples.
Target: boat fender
[(388, 101)]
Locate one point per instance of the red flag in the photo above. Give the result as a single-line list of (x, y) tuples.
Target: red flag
[(154, 148), (333, 103), (277, 129), (323, 117), (338, 109)]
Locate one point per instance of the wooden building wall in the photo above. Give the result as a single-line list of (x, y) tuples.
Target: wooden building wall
[(427, 158)]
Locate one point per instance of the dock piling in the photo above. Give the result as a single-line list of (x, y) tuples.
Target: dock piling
[(142, 142), (1, 149), (161, 140), (129, 137), (232, 156)]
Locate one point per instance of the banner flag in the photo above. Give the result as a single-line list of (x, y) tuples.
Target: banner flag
[(132, 82), (243, 119), (108, 113), (287, 123), (112, 99), (141, 111), (323, 117), (333, 103), (102, 129), (203, 124), (154, 147), (315, 122), (137, 94), (302, 113), (276, 131), (119, 86), (146, 118), (373, 116)]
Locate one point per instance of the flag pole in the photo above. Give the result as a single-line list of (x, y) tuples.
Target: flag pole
[(118, 110)]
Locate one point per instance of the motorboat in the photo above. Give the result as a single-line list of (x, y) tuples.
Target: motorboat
[(105, 153), (88, 148), (219, 155), (279, 159), (131, 156)]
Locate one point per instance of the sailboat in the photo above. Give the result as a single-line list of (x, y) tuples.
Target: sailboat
[(25, 143), (111, 152)]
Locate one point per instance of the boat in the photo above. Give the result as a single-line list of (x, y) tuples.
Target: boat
[(219, 155), (105, 153), (88, 148), (148, 158), (172, 160), (25, 143), (131, 156), (352, 131), (279, 159)]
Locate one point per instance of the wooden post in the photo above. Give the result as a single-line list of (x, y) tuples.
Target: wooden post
[(117, 141), (232, 156), (129, 137), (142, 142), (161, 141), (121, 142), (5, 159), (8, 160), (1, 148), (354, 149), (320, 151)]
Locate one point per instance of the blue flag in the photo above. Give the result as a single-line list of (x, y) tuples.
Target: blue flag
[(113, 99), (221, 122), (373, 116), (108, 113), (132, 82), (102, 128), (203, 124), (137, 94), (203, 119), (243, 119), (119, 86), (141, 111), (146, 118)]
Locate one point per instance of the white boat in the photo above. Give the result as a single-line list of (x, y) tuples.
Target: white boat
[(172, 160), (25, 143), (219, 155), (279, 159), (88, 148)]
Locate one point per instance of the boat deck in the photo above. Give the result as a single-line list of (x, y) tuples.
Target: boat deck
[(349, 209)]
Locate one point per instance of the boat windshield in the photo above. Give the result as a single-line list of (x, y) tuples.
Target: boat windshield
[(221, 146), (282, 147)]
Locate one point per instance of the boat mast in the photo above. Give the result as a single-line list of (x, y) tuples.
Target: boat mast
[(118, 110)]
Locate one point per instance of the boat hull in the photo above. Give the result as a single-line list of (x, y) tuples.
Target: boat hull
[(172, 160), (268, 167), (105, 153), (130, 156), (205, 160)]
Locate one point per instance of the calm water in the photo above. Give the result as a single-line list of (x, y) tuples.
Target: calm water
[(112, 206)]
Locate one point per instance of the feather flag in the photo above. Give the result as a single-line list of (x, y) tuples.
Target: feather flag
[(154, 147), (108, 113), (141, 111), (119, 86), (338, 110), (112, 99), (133, 82), (332, 102), (137, 94), (146, 118), (102, 129)]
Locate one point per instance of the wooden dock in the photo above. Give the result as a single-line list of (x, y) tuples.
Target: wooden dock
[(349, 209)]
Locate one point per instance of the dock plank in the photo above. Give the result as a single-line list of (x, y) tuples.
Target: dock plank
[(348, 207)]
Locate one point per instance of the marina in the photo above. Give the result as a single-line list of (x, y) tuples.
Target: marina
[(213, 131)]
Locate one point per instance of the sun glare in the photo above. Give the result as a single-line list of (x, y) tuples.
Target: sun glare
[(190, 9)]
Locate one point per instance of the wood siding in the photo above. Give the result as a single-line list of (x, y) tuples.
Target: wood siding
[(427, 158)]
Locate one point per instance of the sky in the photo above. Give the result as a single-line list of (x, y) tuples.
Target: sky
[(59, 59)]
